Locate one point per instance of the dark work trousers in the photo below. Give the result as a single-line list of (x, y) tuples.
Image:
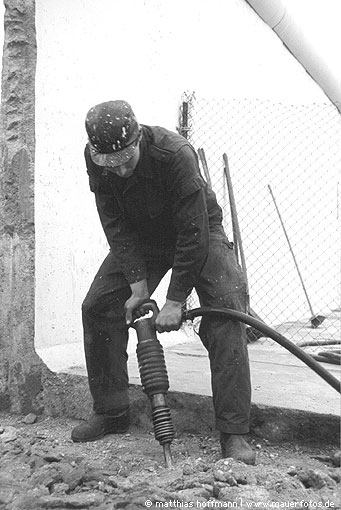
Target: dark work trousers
[(221, 284)]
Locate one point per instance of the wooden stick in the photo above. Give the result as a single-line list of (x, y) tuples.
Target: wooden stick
[(292, 251), (202, 157), (237, 238)]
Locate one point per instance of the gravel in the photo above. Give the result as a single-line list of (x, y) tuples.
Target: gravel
[(41, 468)]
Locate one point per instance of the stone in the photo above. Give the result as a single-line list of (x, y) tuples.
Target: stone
[(195, 466), (9, 488), (113, 481), (9, 434), (187, 469), (51, 501), (92, 473), (92, 484), (126, 485), (122, 503), (194, 495), (206, 478), (217, 486), (327, 496), (30, 418), (59, 488), (30, 501), (52, 457), (70, 475), (177, 484), (336, 458), (292, 470), (315, 478), (83, 500), (36, 462), (191, 484), (223, 471), (335, 474), (46, 476)]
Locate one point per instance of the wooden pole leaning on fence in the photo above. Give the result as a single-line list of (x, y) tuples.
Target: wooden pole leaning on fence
[(202, 157), (315, 320), (252, 333), (237, 238)]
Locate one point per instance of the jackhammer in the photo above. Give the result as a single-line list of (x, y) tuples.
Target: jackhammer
[(153, 372), (154, 378)]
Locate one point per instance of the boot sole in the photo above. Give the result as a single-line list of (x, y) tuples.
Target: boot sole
[(100, 436)]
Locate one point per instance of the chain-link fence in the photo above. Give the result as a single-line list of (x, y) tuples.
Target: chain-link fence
[(284, 163)]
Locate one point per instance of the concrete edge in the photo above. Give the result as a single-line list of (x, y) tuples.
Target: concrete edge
[(68, 395)]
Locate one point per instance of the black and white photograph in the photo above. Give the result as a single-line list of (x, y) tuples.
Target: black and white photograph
[(170, 254)]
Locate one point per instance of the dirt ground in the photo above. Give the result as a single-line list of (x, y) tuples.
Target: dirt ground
[(42, 468)]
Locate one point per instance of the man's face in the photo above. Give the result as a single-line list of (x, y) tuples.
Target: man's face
[(128, 168)]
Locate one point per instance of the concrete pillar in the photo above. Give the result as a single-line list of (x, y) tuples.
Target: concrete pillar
[(20, 367)]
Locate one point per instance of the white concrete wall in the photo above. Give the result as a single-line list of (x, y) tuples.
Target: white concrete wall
[(147, 52)]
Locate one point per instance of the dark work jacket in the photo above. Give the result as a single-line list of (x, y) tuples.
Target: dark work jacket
[(165, 205)]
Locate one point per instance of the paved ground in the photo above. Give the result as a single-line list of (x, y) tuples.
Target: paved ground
[(279, 379)]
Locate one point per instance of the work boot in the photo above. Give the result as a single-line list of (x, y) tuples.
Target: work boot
[(235, 446), (99, 425)]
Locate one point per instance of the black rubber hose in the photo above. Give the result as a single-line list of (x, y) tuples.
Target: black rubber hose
[(280, 339)]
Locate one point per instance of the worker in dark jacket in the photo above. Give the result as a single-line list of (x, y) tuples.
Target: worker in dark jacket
[(158, 214)]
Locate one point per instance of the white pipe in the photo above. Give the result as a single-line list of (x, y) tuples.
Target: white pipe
[(275, 14)]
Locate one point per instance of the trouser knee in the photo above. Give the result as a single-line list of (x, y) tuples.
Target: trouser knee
[(105, 307)]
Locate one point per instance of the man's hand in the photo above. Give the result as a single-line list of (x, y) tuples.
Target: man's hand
[(139, 294), (169, 318)]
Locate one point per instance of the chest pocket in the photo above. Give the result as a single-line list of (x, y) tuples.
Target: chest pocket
[(157, 202), (157, 197)]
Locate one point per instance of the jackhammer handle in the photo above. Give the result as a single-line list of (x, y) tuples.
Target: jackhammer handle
[(149, 305)]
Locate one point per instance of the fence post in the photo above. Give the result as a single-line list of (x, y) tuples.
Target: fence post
[(183, 129)]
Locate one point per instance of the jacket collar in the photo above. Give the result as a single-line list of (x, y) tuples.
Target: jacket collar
[(144, 167)]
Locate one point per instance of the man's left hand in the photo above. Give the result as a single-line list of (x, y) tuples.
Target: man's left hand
[(170, 317)]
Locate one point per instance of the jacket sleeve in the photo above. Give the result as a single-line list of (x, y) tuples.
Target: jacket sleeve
[(188, 198), (123, 242)]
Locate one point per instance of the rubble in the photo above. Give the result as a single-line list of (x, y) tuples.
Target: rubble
[(41, 468)]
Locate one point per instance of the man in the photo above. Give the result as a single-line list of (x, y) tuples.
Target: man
[(158, 213)]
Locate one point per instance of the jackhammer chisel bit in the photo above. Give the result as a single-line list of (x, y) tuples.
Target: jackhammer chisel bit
[(154, 378)]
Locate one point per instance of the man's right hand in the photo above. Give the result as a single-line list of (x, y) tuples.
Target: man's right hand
[(139, 295), (170, 317)]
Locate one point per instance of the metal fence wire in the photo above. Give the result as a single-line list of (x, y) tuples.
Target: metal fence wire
[(284, 165)]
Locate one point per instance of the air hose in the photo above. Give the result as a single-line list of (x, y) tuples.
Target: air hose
[(269, 332)]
